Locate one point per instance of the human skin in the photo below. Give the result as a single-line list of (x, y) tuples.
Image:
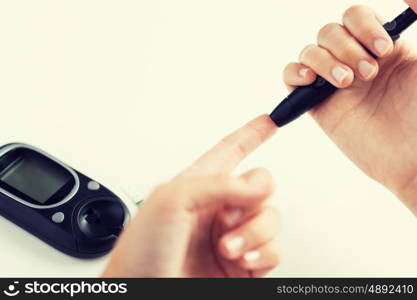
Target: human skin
[(205, 222), (373, 117), (190, 220), (412, 3)]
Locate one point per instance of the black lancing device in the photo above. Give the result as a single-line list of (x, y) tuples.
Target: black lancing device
[(56, 203), (302, 99)]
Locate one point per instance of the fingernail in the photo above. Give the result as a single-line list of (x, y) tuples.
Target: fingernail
[(233, 216), (339, 74), (303, 72), (234, 246), (366, 69), (381, 46), (252, 256)]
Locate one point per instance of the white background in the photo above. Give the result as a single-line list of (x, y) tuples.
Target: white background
[(130, 92)]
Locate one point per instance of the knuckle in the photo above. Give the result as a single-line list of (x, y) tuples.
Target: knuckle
[(349, 53), (238, 148), (365, 29), (258, 134), (348, 50), (328, 30)]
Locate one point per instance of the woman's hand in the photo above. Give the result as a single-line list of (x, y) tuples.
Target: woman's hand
[(373, 118), (206, 222)]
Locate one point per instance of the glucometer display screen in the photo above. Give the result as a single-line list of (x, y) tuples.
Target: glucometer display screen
[(33, 175)]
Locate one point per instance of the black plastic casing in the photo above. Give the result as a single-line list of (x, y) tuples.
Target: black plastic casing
[(304, 98), (301, 100), (68, 236)]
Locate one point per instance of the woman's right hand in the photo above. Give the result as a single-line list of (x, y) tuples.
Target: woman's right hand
[(373, 118)]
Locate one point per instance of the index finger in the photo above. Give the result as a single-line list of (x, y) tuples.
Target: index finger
[(413, 4), (232, 149)]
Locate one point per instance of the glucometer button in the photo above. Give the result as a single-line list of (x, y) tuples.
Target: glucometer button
[(58, 217), (93, 186)]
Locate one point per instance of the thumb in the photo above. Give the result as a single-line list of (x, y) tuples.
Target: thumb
[(246, 190), (413, 4)]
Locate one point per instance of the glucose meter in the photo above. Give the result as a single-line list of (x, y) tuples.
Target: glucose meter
[(58, 204)]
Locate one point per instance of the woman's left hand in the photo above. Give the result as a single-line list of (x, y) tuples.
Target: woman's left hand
[(205, 222)]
